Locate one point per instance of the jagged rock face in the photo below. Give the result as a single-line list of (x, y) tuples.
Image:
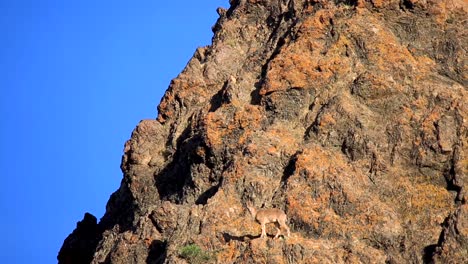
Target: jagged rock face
[(351, 116)]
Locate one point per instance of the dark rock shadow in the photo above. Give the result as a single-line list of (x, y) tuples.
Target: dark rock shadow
[(157, 252), (216, 101), (428, 253), (172, 181), (228, 237), (219, 98), (289, 169), (120, 209), (346, 2), (80, 245), (203, 198), (255, 96)]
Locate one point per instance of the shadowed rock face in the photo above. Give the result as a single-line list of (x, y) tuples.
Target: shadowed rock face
[(351, 116)]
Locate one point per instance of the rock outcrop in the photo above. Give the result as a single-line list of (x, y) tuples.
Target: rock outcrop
[(351, 116)]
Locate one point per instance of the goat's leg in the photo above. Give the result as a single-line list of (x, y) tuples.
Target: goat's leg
[(263, 231), (283, 224), (278, 232), (287, 230)]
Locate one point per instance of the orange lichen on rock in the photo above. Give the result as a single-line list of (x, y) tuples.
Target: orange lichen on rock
[(428, 202), (299, 64), (242, 123)]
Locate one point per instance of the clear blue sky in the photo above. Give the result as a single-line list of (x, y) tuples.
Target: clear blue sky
[(76, 77)]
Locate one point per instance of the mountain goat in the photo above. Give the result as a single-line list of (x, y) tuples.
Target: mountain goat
[(270, 215)]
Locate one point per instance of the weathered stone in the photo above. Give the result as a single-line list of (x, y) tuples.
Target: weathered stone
[(351, 116)]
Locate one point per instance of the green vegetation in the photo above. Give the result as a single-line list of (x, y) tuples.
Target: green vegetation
[(195, 255)]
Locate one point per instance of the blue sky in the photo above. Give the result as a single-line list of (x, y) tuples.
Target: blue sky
[(76, 78)]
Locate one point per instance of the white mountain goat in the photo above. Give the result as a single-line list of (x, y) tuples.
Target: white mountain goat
[(270, 215)]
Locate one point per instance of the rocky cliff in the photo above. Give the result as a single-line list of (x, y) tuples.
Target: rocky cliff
[(351, 116)]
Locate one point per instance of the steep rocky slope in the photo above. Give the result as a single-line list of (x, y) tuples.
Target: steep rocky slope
[(351, 116)]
